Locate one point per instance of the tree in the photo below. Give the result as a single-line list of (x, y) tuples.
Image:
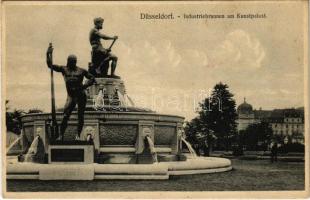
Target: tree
[(199, 136), (192, 130), (13, 120), (279, 138), (218, 115), (257, 136), (216, 122)]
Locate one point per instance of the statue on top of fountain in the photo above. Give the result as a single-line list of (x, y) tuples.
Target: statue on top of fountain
[(101, 57)]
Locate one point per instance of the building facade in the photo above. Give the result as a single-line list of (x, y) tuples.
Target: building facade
[(285, 122), (288, 122)]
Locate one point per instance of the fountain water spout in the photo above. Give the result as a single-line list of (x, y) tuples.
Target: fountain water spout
[(36, 150), (16, 141), (189, 147), (152, 148), (121, 99), (99, 101), (128, 100), (21, 143)]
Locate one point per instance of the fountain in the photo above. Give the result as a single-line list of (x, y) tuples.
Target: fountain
[(35, 150), (99, 101), (152, 149), (119, 141), (127, 143), (189, 147), (15, 143)]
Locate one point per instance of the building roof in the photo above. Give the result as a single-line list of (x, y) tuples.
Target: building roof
[(278, 115), (245, 108), (262, 114)]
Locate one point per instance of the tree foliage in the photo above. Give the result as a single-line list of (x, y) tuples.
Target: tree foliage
[(216, 120), (13, 118), (218, 114), (257, 136)]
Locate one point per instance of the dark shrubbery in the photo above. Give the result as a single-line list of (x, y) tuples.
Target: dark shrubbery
[(292, 147), (237, 150)]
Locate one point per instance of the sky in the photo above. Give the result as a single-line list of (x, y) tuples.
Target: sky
[(167, 65)]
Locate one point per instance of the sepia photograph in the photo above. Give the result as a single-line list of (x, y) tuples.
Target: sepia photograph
[(155, 99)]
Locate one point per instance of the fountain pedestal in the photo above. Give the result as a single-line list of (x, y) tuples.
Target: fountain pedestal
[(111, 89)]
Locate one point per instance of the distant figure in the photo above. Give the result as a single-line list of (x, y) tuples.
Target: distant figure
[(73, 76), (274, 152), (101, 56)]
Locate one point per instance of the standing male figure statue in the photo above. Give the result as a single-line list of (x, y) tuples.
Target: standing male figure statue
[(101, 56), (73, 76)]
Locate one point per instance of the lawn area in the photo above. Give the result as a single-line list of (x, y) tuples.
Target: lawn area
[(246, 175)]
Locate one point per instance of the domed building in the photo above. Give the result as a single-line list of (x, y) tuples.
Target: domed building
[(245, 115), (285, 122)]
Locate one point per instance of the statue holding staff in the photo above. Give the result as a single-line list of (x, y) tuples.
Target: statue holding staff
[(73, 76)]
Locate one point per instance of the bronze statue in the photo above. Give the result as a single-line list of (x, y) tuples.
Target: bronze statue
[(73, 76), (101, 56)]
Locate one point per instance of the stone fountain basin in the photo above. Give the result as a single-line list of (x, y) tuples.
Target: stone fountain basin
[(113, 128), (161, 170), (115, 133), (199, 165)]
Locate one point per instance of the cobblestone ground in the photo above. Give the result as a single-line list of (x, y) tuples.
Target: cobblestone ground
[(246, 175)]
